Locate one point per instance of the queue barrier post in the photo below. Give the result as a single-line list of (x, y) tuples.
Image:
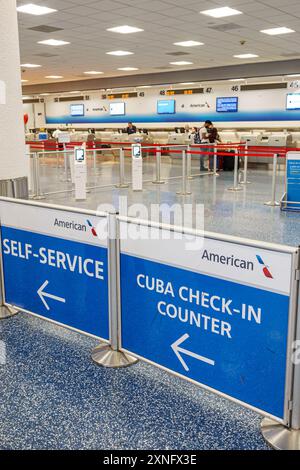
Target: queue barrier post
[(110, 355), (37, 195), (273, 202), (122, 183), (245, 181), (189, 163), (236, 186), (215, 169), (184, 191), (5, 311), (158, 179)]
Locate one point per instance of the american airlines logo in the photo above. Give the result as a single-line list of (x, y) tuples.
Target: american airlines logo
[(236, 262), (76, 226)]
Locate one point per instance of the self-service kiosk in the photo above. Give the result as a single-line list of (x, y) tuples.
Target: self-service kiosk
[(80, 173), (137, 167)]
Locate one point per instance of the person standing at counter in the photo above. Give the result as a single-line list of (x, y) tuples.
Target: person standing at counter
[(131, 129)]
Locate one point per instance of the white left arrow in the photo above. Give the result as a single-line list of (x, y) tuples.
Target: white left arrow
[(42, 294), (179, 351)]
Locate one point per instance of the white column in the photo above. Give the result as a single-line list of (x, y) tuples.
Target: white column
[(13, 161)]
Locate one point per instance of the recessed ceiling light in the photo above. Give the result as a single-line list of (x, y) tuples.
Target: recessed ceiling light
[(33, 9), (73, 92), (245, 56), (275, 31), (93, 72), (23, 81), (293, 75), (119, 53), (188, 43), (237, 79), (125, 29), (187, 83), (27, 97), (44, 94), (221, 12), (54, 76), (53, 42), (30, 66), (144, 86), (181, 62), (128, 69)]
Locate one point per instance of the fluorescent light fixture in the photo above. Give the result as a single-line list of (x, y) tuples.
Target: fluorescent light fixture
[(53, 42), (221, 12), (144, 86), (27, 97), (54, 76), (245, 56), (119, 53), (125, 29), (33, 9), (128, 69), (73, 92), (293, 75), (44, 94), (181, 62), (275, 31), (188, 83), (93, 72), (236, 79), (30, 66), (23, 81), (188, 43)]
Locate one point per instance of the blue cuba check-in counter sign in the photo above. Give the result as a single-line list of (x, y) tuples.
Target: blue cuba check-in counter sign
[(56, 266), (218, 315)]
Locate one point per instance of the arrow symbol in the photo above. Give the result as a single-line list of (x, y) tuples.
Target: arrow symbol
[(179, 351), (42, 294)]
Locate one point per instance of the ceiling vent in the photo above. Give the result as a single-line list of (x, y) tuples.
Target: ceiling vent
[(45, 29), (177, 54), (224, 28), (46, 55)]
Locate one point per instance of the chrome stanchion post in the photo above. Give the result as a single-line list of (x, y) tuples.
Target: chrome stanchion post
[(236, 186), (189, 163), (94, 159), (122, 183), (287, 437), (245, 181), (215, 173), (110, 355), (5, 311), (273, 202), (184, 191), (158, 179), (38, 195)]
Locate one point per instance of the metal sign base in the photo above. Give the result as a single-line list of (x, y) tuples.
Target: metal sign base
[(238, 188), (158, 182), (272, 203), (180, 193), (7, 312), (279, 437), (105, 356)]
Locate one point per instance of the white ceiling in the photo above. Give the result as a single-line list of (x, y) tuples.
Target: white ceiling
[(84, 24)]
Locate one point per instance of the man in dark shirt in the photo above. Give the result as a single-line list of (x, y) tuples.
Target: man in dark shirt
[(131, 129)]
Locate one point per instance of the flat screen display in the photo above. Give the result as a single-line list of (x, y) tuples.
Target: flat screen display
[(77, 109), (227, 105), (293, 101), (166, 107), (117, 109), (43, 136)]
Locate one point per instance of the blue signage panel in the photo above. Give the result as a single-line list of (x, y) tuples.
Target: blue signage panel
[(62, 280), (293, 181), (222, 334)]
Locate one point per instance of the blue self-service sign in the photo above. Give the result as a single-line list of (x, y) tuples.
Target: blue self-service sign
[(293, 180), (218, 316), (56, 266)]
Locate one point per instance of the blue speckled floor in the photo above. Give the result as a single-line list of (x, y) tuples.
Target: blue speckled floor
[(54, 397)]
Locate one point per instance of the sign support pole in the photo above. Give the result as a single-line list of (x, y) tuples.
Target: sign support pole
[(236, 186), (282, 437), (273, 202), (110, 355), (5, 311), (122, 183), (158, 179), (184, 191)]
